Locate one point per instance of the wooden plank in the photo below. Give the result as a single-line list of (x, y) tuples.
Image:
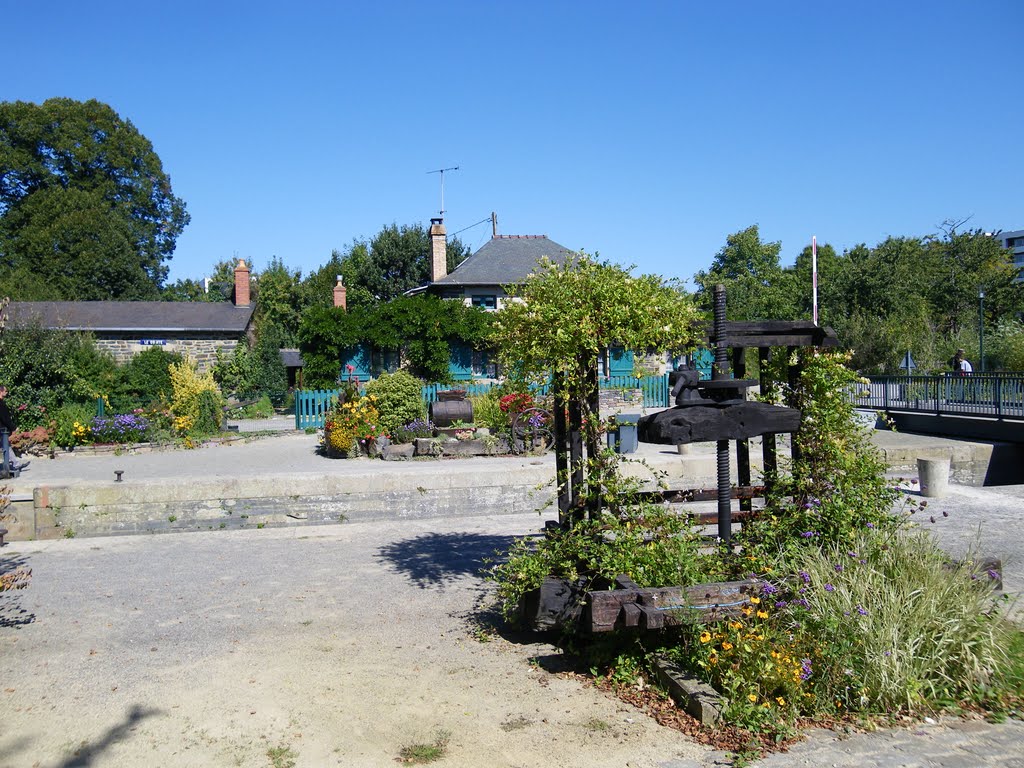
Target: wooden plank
[(700, 494), (663, 606)]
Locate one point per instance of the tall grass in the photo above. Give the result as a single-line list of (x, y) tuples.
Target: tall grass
[(894, 625)]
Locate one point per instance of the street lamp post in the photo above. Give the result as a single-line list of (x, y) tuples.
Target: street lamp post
[(981, 329)]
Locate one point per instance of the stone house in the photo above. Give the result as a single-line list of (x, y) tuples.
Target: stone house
[(125, 328)]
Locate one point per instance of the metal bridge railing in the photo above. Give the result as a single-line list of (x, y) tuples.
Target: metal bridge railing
[(991, 395)]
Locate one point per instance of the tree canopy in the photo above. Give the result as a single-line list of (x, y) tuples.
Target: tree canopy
[(905, 293), (86, 209), (394, 261)]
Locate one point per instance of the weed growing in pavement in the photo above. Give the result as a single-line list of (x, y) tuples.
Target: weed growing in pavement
[(282, 757), (420, 754)]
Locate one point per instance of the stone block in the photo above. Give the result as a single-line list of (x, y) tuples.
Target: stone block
[(402, 452)]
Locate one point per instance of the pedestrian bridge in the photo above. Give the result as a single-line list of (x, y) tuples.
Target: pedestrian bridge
[(982, 406)]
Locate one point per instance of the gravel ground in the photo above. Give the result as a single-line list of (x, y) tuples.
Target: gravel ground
[(341, 645), (338, 646)]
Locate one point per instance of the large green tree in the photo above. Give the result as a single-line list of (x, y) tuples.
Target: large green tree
[(279, 302), (757, 287), (395, 260), (86, 209)]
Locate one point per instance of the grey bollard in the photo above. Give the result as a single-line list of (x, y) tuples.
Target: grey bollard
[(934, 475)]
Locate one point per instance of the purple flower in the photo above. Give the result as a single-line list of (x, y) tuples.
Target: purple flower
[(839, 569), (802, 602), (768, 589), (805, 576), (862, 611), (829, 588), (851, 554), (871, 525), (993, 574), (887, 653), (808, 534), (781, 603), (805, 669)]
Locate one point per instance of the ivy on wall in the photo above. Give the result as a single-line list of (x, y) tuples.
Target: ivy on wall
[(422, 327)]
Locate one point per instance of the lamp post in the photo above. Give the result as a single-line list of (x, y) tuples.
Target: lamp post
[(981, 329)]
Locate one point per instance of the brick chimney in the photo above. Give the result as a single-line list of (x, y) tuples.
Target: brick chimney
[(339, 294), (438, 250), (241, 284)]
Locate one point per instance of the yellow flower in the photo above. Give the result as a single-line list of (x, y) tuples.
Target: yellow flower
[(735, 625), (747, 611), (752, 697), (705, 637), (781, 700), (726, 646), (762, 614), (755, 600)]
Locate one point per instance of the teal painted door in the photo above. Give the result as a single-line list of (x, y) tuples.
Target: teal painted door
[(703, 359), (460, 362), (620, 362), (359, 358)]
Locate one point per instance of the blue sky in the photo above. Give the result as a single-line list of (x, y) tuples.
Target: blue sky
[(645, 131)]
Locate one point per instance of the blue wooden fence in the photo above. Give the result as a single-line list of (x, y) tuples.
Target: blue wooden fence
[(312, 404)]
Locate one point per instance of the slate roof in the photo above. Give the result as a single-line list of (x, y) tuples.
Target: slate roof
[(505, 260), (113, 316)]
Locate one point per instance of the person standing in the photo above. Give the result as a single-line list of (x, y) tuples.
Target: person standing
[(962, 364), (7, 422)]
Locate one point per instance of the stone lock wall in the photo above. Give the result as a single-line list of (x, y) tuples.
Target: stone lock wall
[(202, 349)]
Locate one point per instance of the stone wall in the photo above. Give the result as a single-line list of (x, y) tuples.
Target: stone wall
[(201, 348)]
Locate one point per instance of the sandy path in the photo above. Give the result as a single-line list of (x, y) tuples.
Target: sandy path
[(336, 645)]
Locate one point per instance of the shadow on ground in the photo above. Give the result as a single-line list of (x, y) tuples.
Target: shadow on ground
[(432, 558), (16, 576), (89, 751)]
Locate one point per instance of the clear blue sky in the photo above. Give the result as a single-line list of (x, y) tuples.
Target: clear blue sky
[(646, 131)]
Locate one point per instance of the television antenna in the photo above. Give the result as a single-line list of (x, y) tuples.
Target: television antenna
[(441, 171)]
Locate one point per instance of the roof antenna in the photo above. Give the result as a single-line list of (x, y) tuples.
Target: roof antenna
[(441, 171)]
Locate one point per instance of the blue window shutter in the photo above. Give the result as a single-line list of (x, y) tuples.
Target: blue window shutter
[(620, 362)]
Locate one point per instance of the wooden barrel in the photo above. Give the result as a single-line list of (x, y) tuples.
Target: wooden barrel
[(444, 412)]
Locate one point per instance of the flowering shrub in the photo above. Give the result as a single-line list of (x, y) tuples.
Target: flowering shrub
[(517, 402), (465, 435), (196, 399), (415, 428), (760, 669), (26, 441), (123, 428), (351, 423)]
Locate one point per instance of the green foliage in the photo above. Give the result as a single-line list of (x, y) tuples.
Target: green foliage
[(756, 285), (208, 413), (38, 367), (86, 210), (144, 379), (837, 484), (891, 625), (196, 400), (650, 544), (570, 313), (399, 399), (279, 302), (487, 412), (1004, 348), (269, 373), (394, 261), (423, 327), (66, 417)]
